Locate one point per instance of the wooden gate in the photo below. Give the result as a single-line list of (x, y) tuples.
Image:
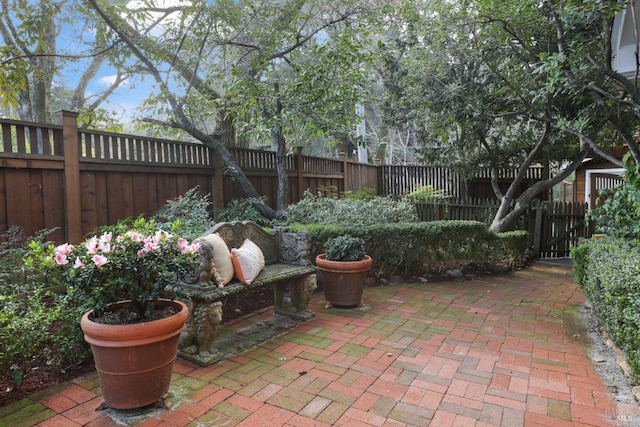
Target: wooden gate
[(557, 227)]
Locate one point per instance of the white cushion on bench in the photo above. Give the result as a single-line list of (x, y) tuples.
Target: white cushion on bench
[(248, 261), (221, 258)]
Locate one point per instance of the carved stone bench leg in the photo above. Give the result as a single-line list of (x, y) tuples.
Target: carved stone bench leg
[(291, 298), (196, 341)]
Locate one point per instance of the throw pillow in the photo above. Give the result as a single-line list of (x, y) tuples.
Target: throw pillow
[(248, 261), (222, 264)]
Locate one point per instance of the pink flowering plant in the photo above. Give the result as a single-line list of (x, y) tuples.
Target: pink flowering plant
[(132, 260)]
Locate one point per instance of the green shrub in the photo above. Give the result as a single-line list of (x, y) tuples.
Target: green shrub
[(619, 215), (425, 193), (608, 272), (424, 247), (43, 327), (14, 246), (242, 210), (347, 212), (192, 210), (509, 248), (366, 194), (345, 248)]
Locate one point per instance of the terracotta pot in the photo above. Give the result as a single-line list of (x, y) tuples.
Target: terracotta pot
[(343, 281), (135, 362)]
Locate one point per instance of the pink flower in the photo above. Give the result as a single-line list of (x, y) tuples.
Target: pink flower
[(104, 247), (135, 236), (150, 244), (106, 237), (61, 259), (99, 260), (183, 245), (64, 249), (160, 233), (78, 263), (92, 245)]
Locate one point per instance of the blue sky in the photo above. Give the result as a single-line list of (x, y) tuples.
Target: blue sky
[(128, 97)]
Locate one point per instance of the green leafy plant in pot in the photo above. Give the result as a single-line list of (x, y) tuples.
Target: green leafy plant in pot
[(343, 269), (134, 326)]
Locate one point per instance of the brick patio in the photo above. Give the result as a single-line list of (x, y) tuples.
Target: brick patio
[(508, 350)]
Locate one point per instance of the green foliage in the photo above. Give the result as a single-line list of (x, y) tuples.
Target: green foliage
[(619, 215), (346, 212), (36, 324), (425, 193), (13, 77), (509, 248), (426, 247), (344, 248), (449, 76), (242, 210), (43, 326), (191, 210), (608, 272), (132, 260), (14, 246), (366, 194)]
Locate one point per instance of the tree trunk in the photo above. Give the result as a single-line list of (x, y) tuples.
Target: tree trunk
[(281, 168), (281, 157), (227, 159), (500, 222), (504, 220)]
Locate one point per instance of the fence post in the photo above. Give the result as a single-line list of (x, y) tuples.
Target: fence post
[(217, 198), (300, 169), (537, 234), (345, 175), (72, 189)]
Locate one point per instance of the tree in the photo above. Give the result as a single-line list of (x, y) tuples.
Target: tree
[(508, 84), (240, 69), (32, 62)]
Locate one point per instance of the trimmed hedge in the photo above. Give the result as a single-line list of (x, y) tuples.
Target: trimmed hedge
[(608, 272), (423, 247)]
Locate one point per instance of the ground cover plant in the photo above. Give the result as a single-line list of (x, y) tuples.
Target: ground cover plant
[(40, 339)]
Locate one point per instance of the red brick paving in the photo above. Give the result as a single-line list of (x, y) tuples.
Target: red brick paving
[(487, 352)]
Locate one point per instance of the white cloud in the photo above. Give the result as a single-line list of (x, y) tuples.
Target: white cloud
[(110, 80), (165, 22)]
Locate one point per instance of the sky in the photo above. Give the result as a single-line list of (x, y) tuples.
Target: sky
[(131, 93)]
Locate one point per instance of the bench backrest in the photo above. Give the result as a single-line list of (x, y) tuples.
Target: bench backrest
[(234, 233)]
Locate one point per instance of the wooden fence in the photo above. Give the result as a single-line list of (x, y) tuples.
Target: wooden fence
[(557, 227), (467, 209), (59, 176), (554, 227)]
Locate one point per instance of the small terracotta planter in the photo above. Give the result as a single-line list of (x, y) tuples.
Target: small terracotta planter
[(135, 362), (343, 281)]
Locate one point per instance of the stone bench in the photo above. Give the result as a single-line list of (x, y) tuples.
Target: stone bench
[(287, 269)]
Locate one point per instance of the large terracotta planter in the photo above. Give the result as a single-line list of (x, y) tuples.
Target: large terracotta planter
[(135, 362), (343, 282)]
